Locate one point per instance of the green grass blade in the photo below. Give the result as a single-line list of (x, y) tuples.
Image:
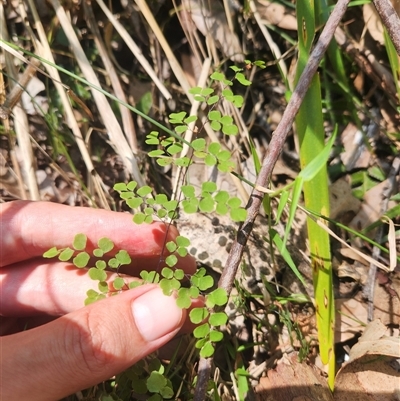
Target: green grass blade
[(310, 130)]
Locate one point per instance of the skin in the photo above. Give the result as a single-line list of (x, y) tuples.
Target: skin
[(51, 346)]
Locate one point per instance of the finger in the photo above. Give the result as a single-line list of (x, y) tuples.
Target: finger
[(89, 345), (33, 288), (30, 228)]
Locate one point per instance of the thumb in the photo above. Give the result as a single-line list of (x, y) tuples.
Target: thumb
[(88, 346)]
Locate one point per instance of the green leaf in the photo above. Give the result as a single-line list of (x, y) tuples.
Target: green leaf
[(201, 331), (98, 253), (190, 206), (156, 153), (207, 204), (79, 242), (118, 283), (171, 205), (190, 119), (239, 214), (194, 292), (237, 100), (218, 318), (119, 187), (134, 203), (214, 115), (171, 260), (123, 257), (224, 155), (198, 144), (216, 336), (214, 148), (199, 98), (210, 160), (156, 382), (167, 393), (221, 209), (221, 196), (212, 100), (175, 148), (208, 186), (205, 283), (180, 129), (131, 185), (51, 253), (215, 125), (81, 259), (218, 297), (167, 272), (199, 154), (182, 241), (200, 343), (242, 79), (165, 161), (101, 265), (113, 263), (126, 195), (183, 300), (151, 139), (176, 118), (183, 161), (197, 315), (105, 244), (179, 274), (207, 91), (144, 191), (150, 277), (96, 274), (234, 202), (227, 92), (226, 120), (235, 68), (169, 285), (66, 254), (207, 350), (231, 129), (196, 90), (171, 246), (148, 211), (217, 76), (226, 167), (145, 103), (139, 218)]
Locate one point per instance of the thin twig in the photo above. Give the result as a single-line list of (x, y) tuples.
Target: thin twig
[(274, 150), (390, 19)]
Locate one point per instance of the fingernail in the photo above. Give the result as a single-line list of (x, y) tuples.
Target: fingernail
[(156, 314)]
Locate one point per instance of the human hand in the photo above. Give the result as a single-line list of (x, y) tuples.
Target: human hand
[(84, 345)]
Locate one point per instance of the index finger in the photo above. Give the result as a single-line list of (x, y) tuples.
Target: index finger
[(30, 228)]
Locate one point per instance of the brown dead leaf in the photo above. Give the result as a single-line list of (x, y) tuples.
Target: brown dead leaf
[(373, 23), (210, 20), (351, 318), (370, 373), (341, 199), (293, 381), (276, 14)]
